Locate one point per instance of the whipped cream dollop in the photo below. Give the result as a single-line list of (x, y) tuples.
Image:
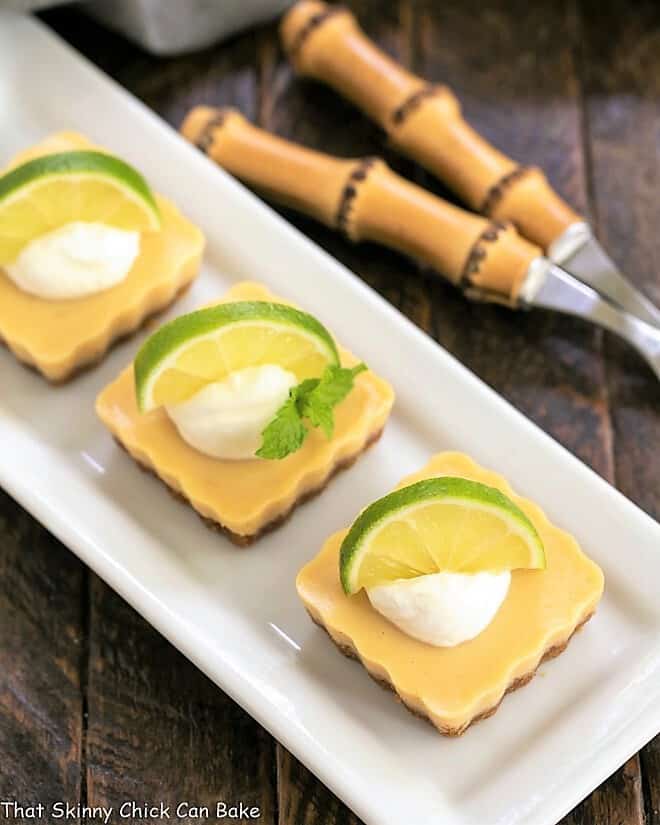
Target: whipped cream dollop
[(442, 609), (75, 260), (225, 419)]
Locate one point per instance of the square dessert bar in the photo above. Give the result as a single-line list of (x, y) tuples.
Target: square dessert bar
[(456, 686), (60, 337), (246, 498)]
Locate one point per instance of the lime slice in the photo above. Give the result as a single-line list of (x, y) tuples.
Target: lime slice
[(205, 346), (437, 525), (52, 190)]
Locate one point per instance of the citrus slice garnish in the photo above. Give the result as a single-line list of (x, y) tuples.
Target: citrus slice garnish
[(205, 346), (443, 524), (53, 190)]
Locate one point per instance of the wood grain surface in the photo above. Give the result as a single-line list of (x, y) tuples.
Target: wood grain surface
[(94, 705)]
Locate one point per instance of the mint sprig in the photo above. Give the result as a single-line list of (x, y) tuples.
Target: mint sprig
[(310, 404)]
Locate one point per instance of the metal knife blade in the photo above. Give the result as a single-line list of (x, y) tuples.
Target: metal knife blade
[(578, 252), (552, 287)]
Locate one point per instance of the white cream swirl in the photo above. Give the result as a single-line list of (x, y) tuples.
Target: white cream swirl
[(442, 609), (75, 260), (226, 419)]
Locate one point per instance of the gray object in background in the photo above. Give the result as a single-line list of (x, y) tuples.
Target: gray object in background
[(169, 27), (28, 5)]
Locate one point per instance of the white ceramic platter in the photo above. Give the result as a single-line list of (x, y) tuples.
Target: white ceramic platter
[(549, 744)]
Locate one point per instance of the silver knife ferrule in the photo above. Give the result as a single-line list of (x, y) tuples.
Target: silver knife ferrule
[(578, 251), (551, 287)]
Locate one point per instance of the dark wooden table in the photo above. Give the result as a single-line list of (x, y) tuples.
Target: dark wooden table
[(94, 705)]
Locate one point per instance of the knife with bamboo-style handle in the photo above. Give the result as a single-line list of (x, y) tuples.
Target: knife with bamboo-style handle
[(424, 121), (366, 200)]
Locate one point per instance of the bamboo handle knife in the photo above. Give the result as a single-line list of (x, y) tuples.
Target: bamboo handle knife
[(422, 121), (367, 201)]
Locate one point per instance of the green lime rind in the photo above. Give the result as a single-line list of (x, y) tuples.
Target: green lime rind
[(442, 488), (186, 328), (78, 163)]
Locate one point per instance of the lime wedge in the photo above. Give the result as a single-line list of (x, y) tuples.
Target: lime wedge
[(443, 524), (52, 190), (205, 346)]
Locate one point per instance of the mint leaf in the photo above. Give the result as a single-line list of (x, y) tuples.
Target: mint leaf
[(303, 390), (334, 385), (285, 433), (314, 400)]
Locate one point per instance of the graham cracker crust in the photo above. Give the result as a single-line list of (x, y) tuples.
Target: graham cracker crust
[(351, 653), (246, 540)]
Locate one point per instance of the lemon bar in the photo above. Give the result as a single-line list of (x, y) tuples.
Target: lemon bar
[(245, 498), (59, 337), (456, 686)]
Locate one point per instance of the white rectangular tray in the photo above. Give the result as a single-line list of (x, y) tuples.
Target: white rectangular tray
[(549, 744)]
